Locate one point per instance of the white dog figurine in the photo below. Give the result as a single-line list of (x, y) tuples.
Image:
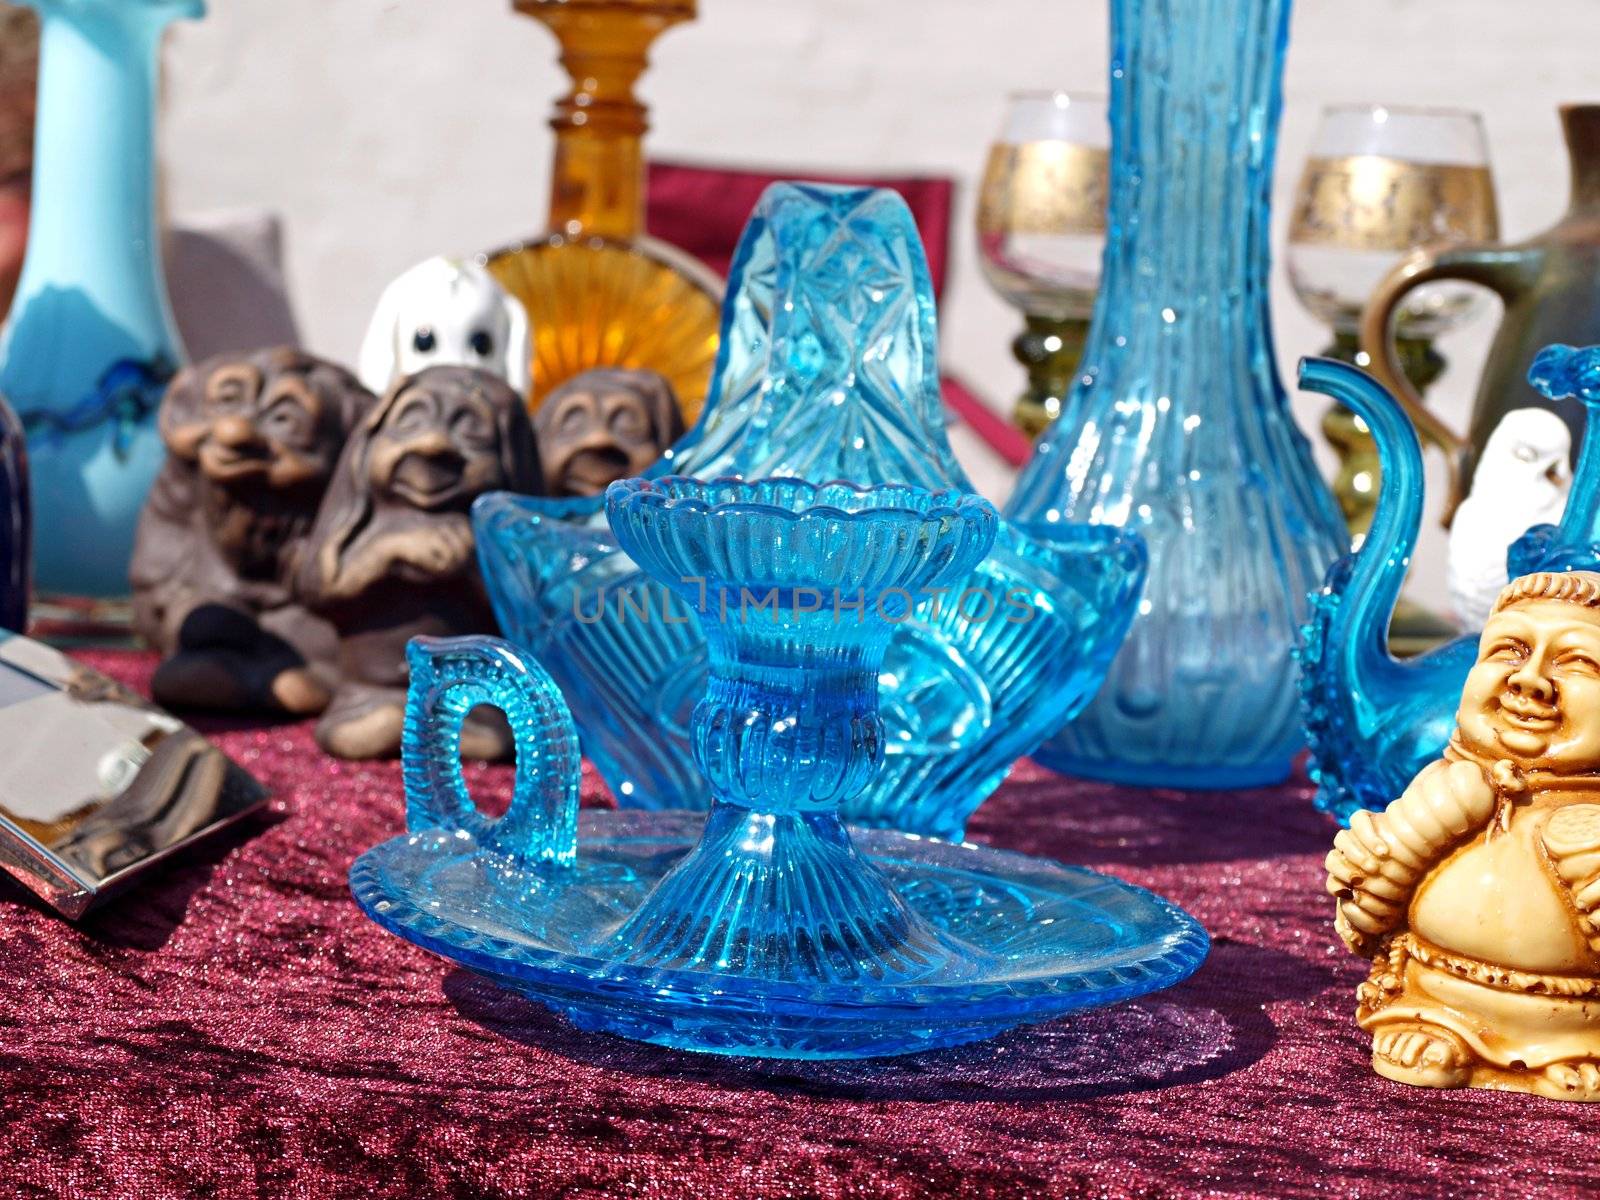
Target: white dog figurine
[(446, 311), (1521, 481)]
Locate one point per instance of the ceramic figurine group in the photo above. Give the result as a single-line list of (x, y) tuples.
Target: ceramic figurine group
[(303, 529)]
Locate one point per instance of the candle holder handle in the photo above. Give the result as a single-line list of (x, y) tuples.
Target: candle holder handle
[(449, 678)]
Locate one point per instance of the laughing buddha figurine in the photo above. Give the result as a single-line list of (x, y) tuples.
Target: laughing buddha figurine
[(1476, 894)]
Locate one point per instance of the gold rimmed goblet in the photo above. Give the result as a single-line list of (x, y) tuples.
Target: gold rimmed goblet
[(1041, 230), (1381, 181)]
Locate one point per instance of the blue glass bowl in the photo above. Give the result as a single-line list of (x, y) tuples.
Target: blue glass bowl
[(963, 698), (769, 928), (827, 370)]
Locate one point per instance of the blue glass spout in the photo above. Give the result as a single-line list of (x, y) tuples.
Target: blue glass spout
[(1373, 721), (1573, 543)]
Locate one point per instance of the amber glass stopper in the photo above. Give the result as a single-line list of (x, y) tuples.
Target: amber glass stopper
[(599, 293), (597, 179)]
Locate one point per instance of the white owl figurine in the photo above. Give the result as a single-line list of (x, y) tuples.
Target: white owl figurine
[(446, 311), (1522, 480)]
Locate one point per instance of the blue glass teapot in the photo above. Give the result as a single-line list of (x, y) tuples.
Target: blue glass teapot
[(1372, 720), (827, 370)]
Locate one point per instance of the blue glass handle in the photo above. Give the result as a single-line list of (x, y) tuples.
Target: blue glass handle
[(449, 678)]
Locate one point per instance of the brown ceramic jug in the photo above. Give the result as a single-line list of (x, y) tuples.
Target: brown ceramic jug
[(1550, 285)]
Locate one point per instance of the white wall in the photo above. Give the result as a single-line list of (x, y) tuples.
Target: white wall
[(386, 130)]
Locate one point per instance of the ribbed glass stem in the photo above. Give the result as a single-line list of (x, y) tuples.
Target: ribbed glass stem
[(789, 721), (597, 176), (1178, 425), (788, 727)]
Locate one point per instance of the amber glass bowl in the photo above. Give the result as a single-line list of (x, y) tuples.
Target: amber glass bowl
[(598, 303)]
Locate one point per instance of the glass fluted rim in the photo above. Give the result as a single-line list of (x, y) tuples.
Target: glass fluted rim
[(792, 497), (791, 532), (1405, 110)]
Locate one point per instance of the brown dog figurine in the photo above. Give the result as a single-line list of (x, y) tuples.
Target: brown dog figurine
[(251, 444), (391, 555), (605, 424)]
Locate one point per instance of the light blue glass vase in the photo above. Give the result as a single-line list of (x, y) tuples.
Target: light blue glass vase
[(1178, 426), (827, 371), (767, 928), (90, 344), (1374, 720)]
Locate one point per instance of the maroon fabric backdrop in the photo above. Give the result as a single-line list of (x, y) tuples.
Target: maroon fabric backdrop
[(238, 1029)]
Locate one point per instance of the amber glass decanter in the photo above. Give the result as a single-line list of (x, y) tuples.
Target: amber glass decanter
[(598, 292)]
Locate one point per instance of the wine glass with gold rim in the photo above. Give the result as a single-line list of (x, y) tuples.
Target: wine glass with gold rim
[(1041, 231), (1381, 181)]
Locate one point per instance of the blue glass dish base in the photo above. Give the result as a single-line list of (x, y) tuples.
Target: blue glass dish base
[(1047, 940), (768, 927)]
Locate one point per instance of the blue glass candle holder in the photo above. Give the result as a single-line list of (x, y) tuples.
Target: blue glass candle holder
[(768, 928), (1374, 720), (827, 370), (1178, 426)]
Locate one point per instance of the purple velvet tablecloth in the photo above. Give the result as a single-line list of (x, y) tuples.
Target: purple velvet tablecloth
[(236, 1028)]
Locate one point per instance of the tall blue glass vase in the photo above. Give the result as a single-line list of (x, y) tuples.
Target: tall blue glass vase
[(1178, 425), (90, 342)]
